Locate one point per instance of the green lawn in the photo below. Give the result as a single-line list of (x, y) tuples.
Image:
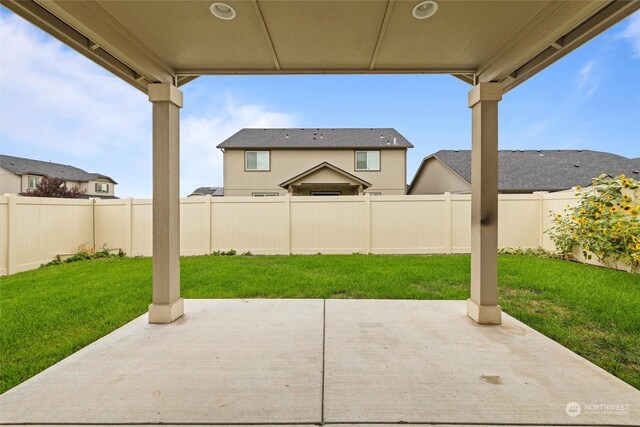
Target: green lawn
[(47, 314)]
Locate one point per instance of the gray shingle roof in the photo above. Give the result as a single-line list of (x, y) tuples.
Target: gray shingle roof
[(317, 138), (208, 191), (22, 166), (545, 170)]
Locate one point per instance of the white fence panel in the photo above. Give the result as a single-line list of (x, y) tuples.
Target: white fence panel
[(35, 230)]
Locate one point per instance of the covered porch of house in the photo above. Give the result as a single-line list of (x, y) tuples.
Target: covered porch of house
[(322, 362), (159, 46), (325, 179)]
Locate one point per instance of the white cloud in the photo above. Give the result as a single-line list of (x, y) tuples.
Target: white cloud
[(54, 98), (631, 33), (57, 105), (588, 80), (201, 162)]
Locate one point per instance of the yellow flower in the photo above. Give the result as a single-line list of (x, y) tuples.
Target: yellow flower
[(626, 183), (633, 212), (638, 246), (597, 215), (578, 188), (626, 208), (622, 176), (583, 210), (559, 216), (575, 236), (613, 209)]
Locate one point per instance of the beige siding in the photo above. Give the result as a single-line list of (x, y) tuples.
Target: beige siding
[(9, 182), (325, 175), (437, 178), (285, 164), (90, 188), (14, 184), (24, 182)]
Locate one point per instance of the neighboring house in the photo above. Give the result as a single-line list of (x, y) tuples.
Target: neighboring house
[(17, 175), (521, 171), (316, 162), (208, 191)]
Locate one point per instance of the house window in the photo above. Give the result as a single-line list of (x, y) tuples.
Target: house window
[(326, 193), (264, 194), (257, 160), (102, 187), (367, 160), (33, 181)]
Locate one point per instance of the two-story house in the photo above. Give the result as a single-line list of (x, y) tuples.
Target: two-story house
[(18, 175), (315, 162)]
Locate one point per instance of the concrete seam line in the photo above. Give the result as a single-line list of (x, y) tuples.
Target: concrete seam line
[(324, 340)]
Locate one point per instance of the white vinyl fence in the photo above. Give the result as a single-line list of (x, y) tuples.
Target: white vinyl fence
[(34, 231)]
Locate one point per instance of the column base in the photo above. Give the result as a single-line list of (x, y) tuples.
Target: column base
[(484, 314), (166, 313)]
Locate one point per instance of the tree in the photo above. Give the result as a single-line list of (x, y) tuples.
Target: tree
[(53, 187)]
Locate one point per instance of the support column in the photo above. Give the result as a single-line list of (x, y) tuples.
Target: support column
[(483, 306), (167, 305)]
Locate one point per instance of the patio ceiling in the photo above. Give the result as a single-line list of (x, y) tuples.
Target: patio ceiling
[(175, 41)]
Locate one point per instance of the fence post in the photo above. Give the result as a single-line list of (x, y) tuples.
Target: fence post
[(93, 223), (287, 205), (447, 223), (207, 202), (12, 239), (129, 227), (367, 222), (541, 217)]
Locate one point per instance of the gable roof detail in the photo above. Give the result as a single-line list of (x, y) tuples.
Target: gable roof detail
[(541, 170), (22, 166), (317, 138), (327, 165)]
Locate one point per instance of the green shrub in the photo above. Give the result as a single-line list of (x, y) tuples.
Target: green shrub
[(605, 222), (84, 253), (230, 252)]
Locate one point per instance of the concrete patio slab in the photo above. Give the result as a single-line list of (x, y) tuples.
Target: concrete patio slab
[(234, 362), (225, 361), (426, 362)]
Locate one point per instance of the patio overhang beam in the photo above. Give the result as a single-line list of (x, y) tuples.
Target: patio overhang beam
[(567, 43), (45, 20), (541, 34), (552, 32), (297, 71), (79, 25)]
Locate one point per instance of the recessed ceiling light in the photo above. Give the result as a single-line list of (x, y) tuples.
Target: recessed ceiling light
[(222, 11), (425, 9)]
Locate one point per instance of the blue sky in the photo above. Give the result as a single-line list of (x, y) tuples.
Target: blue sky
[(57, 105)]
